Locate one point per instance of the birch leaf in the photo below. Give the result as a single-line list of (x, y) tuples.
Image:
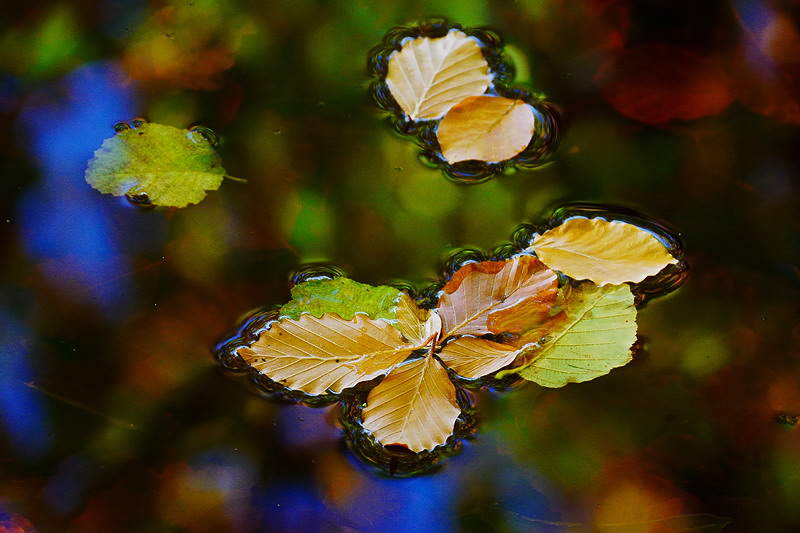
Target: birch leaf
[(593, 335), (415, 406), (497, 297), (429, 76), (605, 252), (314, 355), (173, 167), (472, 357), (418, 326), (486, 128), (343, 297)]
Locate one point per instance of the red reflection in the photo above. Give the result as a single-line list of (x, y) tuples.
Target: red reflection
[(657, 83)]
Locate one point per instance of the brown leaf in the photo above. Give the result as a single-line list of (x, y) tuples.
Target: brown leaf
[(471, 357), (415, 406), (486, 128), (329, 353), (429, 76), (486, 297)]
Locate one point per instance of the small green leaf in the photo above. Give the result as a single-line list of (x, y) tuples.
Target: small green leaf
[(593, 335), (344, 297), (168, 166)]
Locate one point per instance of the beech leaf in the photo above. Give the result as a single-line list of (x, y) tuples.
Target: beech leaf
[(415, 406), (486, 128), (314, 354), (418, 326), (342, 296), (605, 252), (497, 297), (593, 335), (472, 357), (429, 76), (173, 167)]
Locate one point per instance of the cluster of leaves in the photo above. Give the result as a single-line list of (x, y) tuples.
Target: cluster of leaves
[(559, 310), (449, 86), (157, 165)]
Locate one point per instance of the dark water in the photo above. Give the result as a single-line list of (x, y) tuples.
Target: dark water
[(115, 416)]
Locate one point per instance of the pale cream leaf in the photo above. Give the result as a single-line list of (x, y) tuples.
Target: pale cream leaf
[(429, 76)]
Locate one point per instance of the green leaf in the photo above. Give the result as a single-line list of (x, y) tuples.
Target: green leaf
[(344, 297), (591, 336), (171, 166)]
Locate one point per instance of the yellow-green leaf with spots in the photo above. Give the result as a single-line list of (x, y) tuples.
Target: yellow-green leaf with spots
[(157, 164)]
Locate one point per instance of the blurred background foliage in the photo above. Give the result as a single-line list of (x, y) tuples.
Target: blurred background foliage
[(112, 415)]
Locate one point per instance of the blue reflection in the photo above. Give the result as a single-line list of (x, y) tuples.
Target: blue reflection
[(300, 426), (756, 16), (64, 491), (293, 506), (65, 224), (232, 475), (21, 411)]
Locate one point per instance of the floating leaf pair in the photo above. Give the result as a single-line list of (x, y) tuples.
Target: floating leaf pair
[(404, 364), (448, 85), (157, 165)]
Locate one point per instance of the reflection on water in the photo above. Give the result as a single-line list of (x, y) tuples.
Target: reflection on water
[(107, 312)]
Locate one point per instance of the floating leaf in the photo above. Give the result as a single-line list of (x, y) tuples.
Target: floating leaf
[(418, 326), (472, 357), (486, 128), (605, 252), (415, 406), (314, 355), (342, 296), (593, 335), (429, 76), (482, 297), (171, 166)]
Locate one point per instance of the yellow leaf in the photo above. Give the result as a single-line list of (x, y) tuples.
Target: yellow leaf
[(605, 252), (314, 355), (415, 406), (429, 76), (486, 128), (471, 357), (418, 326), (593, 335), (482, 296)]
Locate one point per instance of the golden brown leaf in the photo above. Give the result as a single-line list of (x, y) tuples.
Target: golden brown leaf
[(605, 252), (418, 326), (486, 128), (429, 76), (482, 297), (415, 406), (314, 355), (471, 357)]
